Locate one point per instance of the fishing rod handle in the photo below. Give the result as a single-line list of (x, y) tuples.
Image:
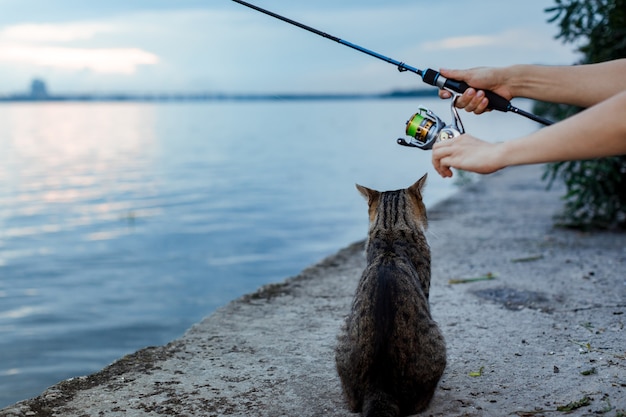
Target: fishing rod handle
[(432, 77)]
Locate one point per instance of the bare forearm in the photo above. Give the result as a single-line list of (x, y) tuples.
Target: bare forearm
[(596, 132), (581, 85)]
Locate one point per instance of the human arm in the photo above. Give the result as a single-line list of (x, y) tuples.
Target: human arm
[(595, 132), (580, 85)]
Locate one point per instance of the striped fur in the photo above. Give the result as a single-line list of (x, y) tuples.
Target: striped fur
[(390, 353)]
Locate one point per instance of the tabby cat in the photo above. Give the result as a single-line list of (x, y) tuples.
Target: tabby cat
[(390, 353)]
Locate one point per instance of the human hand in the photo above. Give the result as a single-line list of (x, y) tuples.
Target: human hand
[(467, 153), (482, 78)]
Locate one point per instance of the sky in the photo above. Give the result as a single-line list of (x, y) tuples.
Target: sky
[(152, 46)]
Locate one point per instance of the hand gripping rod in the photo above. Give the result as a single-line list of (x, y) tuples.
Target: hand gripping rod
[(429, 76)]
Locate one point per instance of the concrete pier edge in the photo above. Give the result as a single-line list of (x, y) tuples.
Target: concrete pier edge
[(533, 318)]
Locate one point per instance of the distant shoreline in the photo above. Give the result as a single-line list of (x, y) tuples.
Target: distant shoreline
[(158, 97)]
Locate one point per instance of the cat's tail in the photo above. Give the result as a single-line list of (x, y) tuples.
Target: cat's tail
[(380, 404)]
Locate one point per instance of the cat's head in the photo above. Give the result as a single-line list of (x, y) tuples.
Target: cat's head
[(408, 199)]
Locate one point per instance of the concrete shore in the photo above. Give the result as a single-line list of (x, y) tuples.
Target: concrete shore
[(533, 317)]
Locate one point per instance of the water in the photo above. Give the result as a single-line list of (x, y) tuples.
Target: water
[(122, 224)]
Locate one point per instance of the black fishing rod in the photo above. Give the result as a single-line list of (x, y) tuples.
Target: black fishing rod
[(429, 76)]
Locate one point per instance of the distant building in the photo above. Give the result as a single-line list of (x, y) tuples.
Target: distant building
[(38, 89)]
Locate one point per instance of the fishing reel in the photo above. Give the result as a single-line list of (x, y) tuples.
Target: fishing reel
[(425, 128)]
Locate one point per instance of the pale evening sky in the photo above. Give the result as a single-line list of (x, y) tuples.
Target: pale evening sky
[(221, 46)]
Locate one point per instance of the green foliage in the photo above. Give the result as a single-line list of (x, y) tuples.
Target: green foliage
[(596, 189), (600, 26), (596, 192)]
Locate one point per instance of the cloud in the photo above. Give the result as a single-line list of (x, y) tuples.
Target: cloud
[(46, 45), (460, 42), (514, 39), (48, 33), (98, 60)]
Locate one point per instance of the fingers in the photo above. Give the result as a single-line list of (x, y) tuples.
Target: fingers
[(469, 154), (473, 100), (454, 74), (445, 171), (442, 169), (444, 94), (439, 154)]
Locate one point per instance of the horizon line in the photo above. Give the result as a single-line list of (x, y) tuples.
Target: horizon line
[(27, 97)]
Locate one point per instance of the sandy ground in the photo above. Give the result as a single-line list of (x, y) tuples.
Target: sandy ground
[(543, 337)]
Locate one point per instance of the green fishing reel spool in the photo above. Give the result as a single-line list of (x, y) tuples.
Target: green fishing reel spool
[(425, 128)]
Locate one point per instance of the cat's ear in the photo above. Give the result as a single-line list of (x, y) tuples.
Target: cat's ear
[(418, 186), (368, 193)]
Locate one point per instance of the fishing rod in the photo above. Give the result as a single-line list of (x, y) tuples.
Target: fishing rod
[(429, 76)]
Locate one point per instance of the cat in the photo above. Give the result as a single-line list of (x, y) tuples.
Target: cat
[(390, 353)]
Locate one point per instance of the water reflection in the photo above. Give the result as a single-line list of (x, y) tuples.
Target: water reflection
[(67, 160), (70, 179)]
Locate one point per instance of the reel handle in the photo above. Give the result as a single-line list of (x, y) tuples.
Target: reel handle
[(496, 101)]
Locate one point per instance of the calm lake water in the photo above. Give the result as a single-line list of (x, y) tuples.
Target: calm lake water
[(122, 224)]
